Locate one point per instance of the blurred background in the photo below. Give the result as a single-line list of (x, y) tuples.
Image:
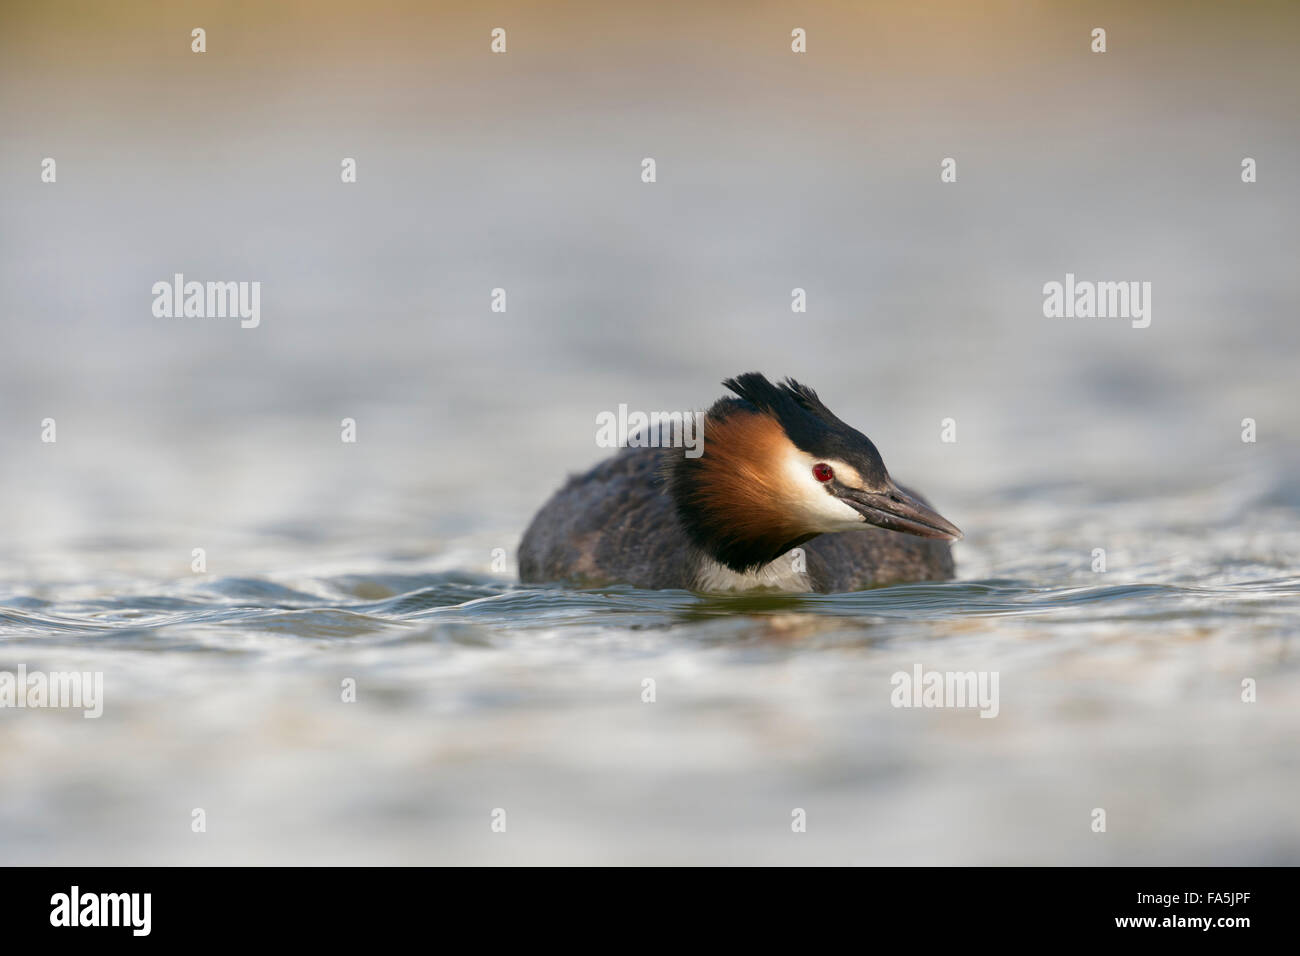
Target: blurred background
[(522, 171)]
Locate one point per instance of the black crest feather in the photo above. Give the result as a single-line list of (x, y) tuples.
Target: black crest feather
[(779, 399)]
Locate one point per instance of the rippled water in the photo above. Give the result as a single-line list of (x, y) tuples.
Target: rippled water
[(1119, 690)]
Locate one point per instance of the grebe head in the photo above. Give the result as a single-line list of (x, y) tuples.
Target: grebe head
[(777, 469)]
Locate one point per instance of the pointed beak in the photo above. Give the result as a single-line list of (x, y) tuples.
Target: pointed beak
[(898, 511)]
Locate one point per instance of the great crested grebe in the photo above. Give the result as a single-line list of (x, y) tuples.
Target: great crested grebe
[(778, 472)]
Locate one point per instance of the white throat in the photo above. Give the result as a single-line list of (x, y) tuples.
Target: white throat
[(786, 573)]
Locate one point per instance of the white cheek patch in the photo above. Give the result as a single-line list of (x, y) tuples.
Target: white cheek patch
[(808, 497)]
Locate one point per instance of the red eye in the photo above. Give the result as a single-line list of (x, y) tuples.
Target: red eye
[(823, 472)]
